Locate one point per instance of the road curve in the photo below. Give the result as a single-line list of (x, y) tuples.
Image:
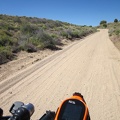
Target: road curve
[(90, 66)]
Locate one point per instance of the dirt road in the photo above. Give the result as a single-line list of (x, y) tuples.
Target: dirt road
[(90, 66)]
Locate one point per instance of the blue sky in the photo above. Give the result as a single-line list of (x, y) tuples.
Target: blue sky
[(80, 12)]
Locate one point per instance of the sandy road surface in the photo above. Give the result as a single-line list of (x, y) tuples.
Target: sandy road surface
[(91, 66)]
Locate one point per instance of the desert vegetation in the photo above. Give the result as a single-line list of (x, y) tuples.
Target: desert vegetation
[(33, 34), (103, 24), (114, 31)]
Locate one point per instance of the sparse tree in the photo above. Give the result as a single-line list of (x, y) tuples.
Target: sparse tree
[(103, 22), (116, 20)]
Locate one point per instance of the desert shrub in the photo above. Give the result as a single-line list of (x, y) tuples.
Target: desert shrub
[(67, 33), (60, 28), (17, 19), (47, 40), (30, 48), (117, 32), (5, 54), (56, 39), (54, 36), (81, 34), (5, 40), (20, 42), (53, 24), (10, 27), (64, 34), (44, 27), (104, 25), (71, 34), (3, 25), (75, 34), (5, 33), (16, 49), (1, 16), (8, 33), (42, 39), (44, 21), (58, 23), (28, 29)]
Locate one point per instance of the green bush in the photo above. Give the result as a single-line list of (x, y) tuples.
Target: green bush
[(5, 54), (54, 36), (64, 34), (44, 27), (28, 29), (104, 25), (5, 40), (42, 39), (81, 34), (47, 40), (67, 34), (117, 32), (75, 34), (71, 34)]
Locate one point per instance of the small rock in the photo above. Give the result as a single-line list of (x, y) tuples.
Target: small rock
[(10, 92)]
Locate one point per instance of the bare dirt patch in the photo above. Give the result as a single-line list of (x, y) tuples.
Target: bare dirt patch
[(22, 61)]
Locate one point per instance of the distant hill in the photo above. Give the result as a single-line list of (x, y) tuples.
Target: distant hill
[(33, 34)]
